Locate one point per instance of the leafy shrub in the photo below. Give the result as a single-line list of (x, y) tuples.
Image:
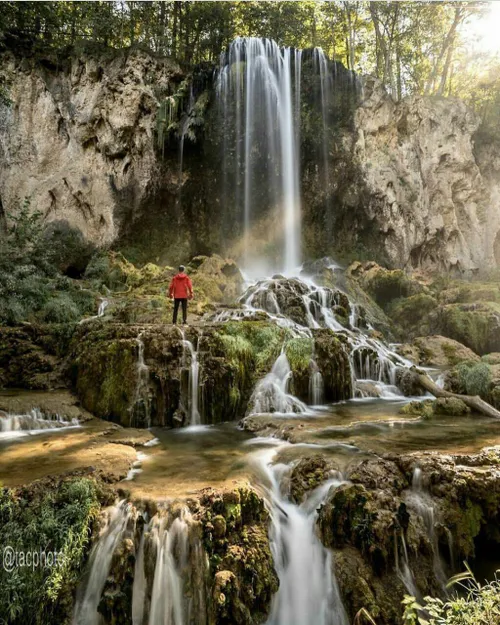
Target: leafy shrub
[(31, 285), (479, 605), (60, 309), (56, 519), (474, 379)]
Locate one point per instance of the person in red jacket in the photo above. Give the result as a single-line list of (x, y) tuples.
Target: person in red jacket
[(181, 289)]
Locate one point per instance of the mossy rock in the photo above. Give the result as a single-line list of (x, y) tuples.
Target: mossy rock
[(385, 285), (475, 325), (452, 406), (411, 313)]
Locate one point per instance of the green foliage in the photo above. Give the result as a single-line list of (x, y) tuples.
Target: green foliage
[(299, 352), (31, 285), (474, 378), (55, 519), (478, 604)]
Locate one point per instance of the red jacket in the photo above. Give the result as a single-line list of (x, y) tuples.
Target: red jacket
[(181, 287)]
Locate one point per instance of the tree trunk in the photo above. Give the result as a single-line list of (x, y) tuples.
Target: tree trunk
[(474, 402)]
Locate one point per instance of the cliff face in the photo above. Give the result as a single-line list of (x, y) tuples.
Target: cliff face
[(79, 140), (433, 198), (408, 187)]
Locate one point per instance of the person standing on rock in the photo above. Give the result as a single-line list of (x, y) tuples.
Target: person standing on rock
[(181, 289)]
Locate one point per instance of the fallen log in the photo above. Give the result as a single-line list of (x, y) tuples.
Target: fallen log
[(473, 401)]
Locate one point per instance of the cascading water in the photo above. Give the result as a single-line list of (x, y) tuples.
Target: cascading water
[(271, 394), (422, 503), (300, 305), (18, 425), (305, 569), (266, 97), (102, 307), (141, 410), (316, 386), (191, 363), (168, 605), (326, 82), (87, 602)]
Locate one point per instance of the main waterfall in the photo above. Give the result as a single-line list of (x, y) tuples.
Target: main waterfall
[(259, 94)]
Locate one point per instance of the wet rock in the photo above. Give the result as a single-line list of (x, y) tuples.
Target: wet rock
[(308, 474), (330, 353), (243, 578)]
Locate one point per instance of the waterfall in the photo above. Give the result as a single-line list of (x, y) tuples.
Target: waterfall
[(326, 83), (89, 596), (102, 307), (177, 592), (18, 425), (190, 362), (422, 503), (167, 598), (403, 569), (141, 409), (271, 393), (266, 96), (305, 568), (184, 127), (316, 386)]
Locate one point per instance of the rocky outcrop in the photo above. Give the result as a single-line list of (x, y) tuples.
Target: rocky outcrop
[(432, 196), (31, 356), (79, 140), (409, 521)]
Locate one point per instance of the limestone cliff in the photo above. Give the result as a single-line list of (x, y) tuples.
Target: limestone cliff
[(409, 186)]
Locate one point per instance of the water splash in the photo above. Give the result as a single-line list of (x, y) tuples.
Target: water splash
[(271, 395), (141, 407)]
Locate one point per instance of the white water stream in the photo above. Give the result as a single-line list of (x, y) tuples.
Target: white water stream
[(308, 587)]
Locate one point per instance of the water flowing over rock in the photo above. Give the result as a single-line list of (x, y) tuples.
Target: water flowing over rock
[(307, 582), (265, 94)]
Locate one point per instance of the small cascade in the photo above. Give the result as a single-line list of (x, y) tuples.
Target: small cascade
[(180, 567), (18, 425), (326, 83), (104, 303), (299, 305), (140, 586), (271, 393), (141, 408), (191, 363), (89, 596), (403, 567), (316, 386), (305, 568), (422, 503)]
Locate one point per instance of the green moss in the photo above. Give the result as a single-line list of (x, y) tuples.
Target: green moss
[(412, 311), (299, 352)]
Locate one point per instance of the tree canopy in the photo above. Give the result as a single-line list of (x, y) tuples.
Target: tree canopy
[(413, 47)]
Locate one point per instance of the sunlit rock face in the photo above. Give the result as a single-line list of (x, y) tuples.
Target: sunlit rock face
[(432, 190), (78, 139), (408, 184)]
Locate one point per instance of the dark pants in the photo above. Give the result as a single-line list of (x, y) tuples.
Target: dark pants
[(184, 303)]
